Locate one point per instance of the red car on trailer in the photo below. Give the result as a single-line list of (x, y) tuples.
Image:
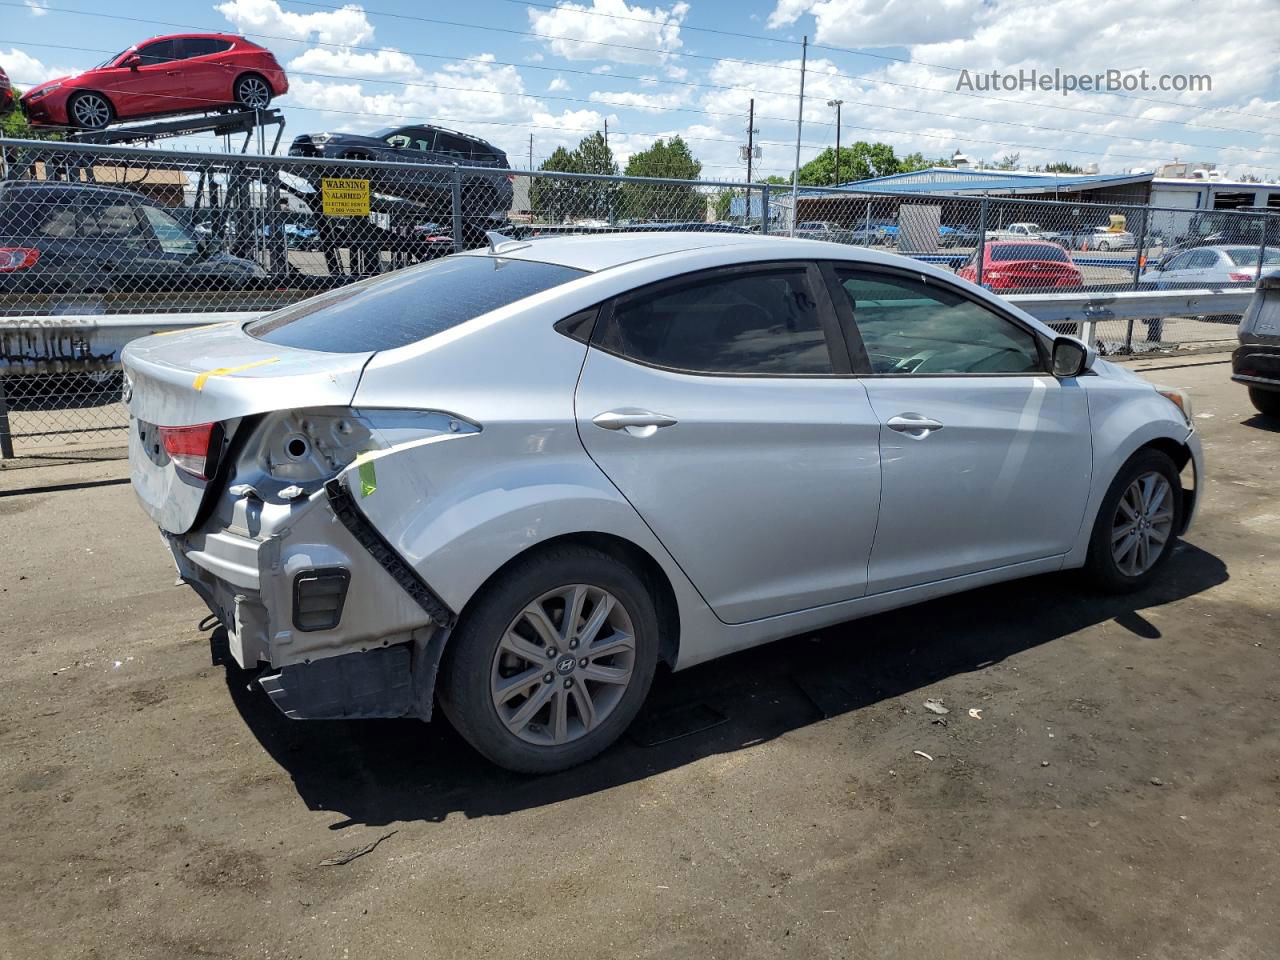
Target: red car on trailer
[(181, 73)]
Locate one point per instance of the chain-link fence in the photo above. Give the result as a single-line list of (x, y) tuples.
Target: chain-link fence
[(87, 229)]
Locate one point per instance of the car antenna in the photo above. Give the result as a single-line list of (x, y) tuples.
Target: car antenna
[(500, 243)]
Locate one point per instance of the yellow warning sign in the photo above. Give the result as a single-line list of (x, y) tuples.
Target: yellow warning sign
[(344, 197)]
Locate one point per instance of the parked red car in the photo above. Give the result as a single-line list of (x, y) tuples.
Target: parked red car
[(184, 73), (6, 92), (1023, 265)]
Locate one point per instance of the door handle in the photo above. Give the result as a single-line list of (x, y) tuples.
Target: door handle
[(913, 425), (638, 423)]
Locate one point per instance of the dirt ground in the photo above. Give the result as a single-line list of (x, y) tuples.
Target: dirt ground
[(1119, 795)]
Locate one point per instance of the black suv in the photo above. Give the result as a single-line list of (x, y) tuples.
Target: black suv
[(485, 197), (58, 237)]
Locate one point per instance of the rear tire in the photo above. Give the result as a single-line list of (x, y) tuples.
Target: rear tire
[(1266, 402), (494, 684), (1136, 525), (90, 111), (252, 92)]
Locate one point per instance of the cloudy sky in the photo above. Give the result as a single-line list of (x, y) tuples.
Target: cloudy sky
[(506, 69)]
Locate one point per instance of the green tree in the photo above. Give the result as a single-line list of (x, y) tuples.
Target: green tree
[(14, 124), (1062, 167), (858, 161), (724, 203), (916, 161), (668, 159), (557, 199)]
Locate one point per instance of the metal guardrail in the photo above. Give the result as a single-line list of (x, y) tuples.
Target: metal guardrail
[(60, 375), (63, 344)]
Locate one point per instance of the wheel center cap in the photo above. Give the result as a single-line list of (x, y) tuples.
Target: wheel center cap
[(565, 665)]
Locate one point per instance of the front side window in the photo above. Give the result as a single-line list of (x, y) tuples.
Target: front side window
[(115, 223), (172, 236), (910, 327), (162, 51), (758, 322)]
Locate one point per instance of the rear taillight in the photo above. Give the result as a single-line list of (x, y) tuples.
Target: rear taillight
[(1241, 277), (17, 258), (190, 448)]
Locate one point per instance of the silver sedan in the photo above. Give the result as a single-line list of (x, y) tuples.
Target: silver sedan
[(515, 481)]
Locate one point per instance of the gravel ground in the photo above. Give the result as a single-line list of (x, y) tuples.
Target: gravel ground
[(1116, 796)]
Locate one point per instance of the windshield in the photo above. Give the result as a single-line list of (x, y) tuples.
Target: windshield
[(1029, 251), (408, 305), (112, 59)]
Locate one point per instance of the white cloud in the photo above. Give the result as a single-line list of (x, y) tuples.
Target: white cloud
[(25, 70), (871, 23), (653, 32), (558, 83), (38, 8), (644, 102), (387, 63), (346, 26)]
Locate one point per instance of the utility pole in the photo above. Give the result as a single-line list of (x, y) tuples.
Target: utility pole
[(795, 172), (751, 130), (837, 104), (531, 151), (606, 135)]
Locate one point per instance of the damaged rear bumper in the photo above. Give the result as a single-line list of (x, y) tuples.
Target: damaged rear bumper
[(311, 588)]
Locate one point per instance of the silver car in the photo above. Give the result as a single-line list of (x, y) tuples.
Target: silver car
[(514, 481), (1211, 267)]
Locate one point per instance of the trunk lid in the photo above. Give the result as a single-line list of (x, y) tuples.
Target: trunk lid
[(215, 374)]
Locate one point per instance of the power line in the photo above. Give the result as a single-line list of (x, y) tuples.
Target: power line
[(681, 25), (688, 83), (716, 114), (702, 56)]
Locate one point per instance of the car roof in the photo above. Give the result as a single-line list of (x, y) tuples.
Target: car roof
[(54, 187), (597, 252)]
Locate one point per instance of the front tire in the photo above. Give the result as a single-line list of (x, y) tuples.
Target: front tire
[(90, 111), (1266, 402), (551, 662), (1137, 524)]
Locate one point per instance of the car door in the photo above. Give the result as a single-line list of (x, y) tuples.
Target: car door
[(986, 457), (207, 74), (155, 85), (721, 405)]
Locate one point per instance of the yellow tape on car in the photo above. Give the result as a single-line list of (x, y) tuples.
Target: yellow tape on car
[(203, 378)]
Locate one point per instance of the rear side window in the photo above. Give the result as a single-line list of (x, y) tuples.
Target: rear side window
[(764, 322), (408, 305), (203, 46)]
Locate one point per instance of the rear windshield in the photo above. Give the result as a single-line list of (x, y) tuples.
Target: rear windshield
[(1248, 256), (408, 305), (1029, 251)]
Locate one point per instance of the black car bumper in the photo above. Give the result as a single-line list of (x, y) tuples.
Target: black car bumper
[(1257, 365)]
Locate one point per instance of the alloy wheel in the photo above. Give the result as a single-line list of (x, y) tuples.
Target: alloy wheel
[(91, 111), (1142, 524), (253, 93), (563, 665)]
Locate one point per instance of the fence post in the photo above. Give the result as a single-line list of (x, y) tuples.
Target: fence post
[(1262, 248), (6, 436), (1137, 253), (982, 237), (457, 210), (764, 209)]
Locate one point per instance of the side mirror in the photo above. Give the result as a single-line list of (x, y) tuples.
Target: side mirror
[(133, 61), (1070, 357)]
